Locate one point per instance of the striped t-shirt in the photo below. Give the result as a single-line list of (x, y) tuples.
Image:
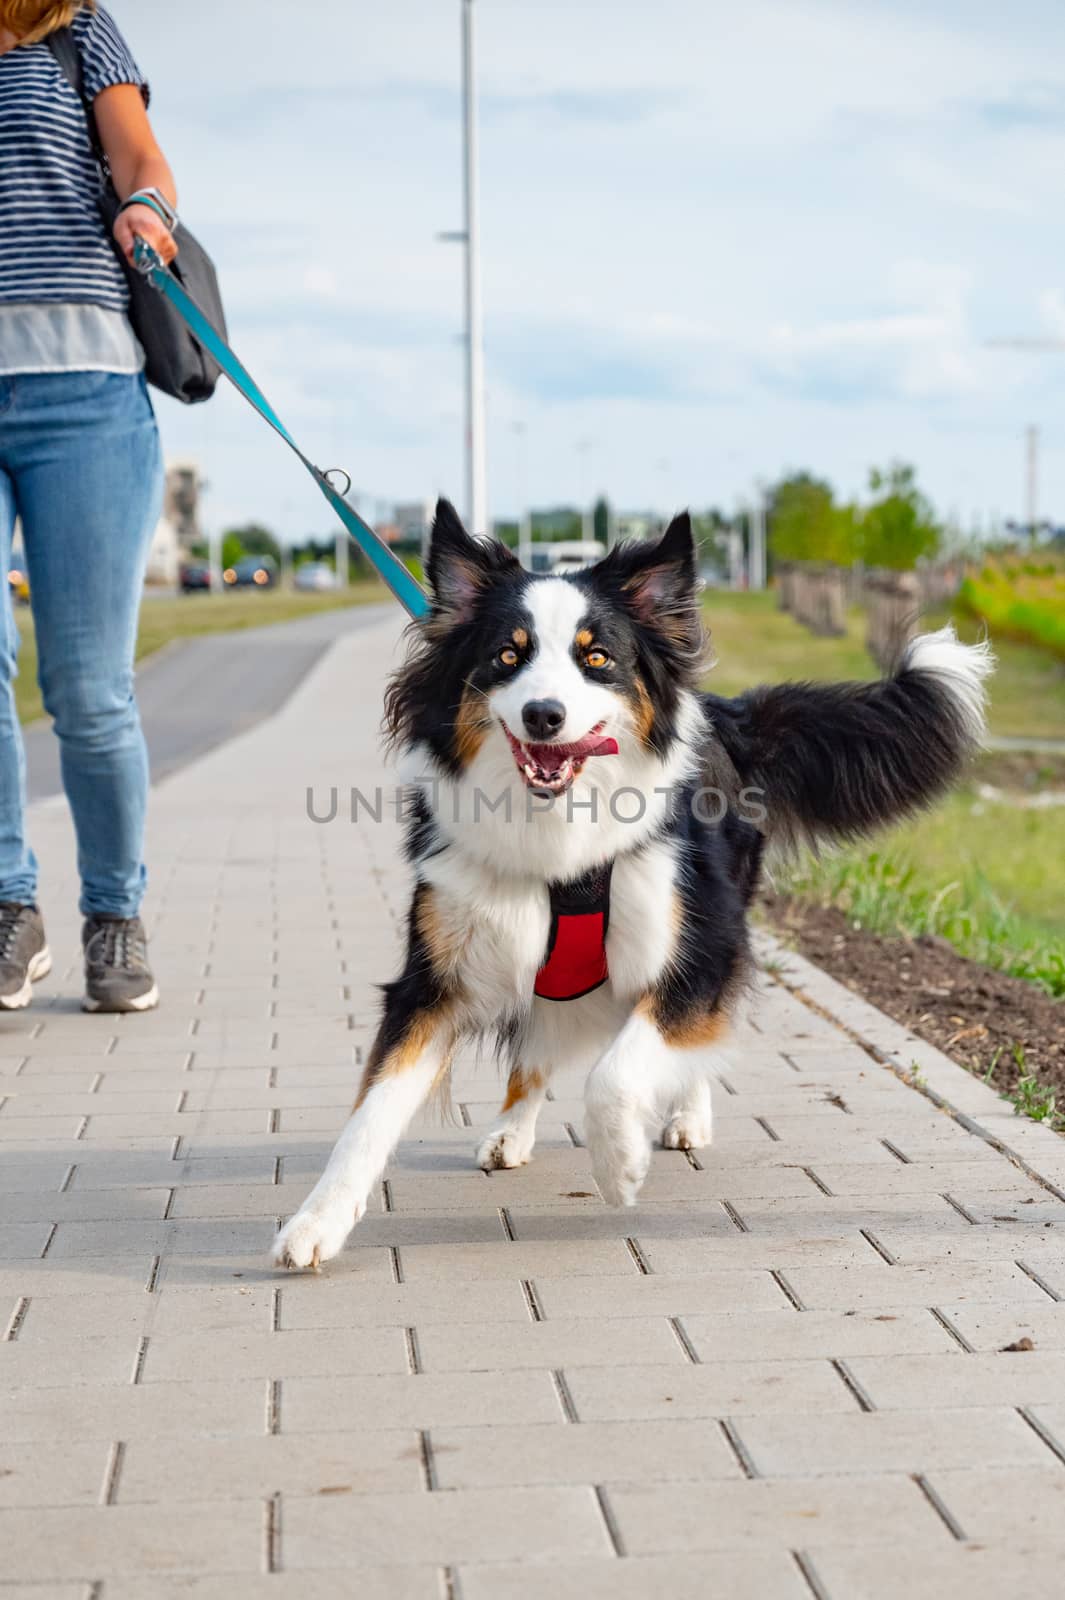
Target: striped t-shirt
[(53, 244)]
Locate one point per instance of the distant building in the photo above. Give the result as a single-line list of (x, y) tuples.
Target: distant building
[(164, 554), (181, 501), (179, 527), (412, 522)]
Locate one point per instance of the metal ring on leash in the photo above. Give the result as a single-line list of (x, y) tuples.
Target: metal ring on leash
[(327, 474)]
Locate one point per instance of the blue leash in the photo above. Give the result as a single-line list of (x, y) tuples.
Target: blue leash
[(406, 588)]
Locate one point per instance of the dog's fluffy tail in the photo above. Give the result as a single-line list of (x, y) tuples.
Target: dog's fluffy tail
[(834, 761)]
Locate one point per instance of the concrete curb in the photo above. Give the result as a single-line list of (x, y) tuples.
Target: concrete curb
[(1036, 1149)]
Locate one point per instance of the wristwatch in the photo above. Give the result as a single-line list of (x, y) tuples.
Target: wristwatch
[(157, 201)]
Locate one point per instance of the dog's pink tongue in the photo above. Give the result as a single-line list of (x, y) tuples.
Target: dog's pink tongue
[(550, 756)]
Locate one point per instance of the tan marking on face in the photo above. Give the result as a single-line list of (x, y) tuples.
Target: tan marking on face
[(471, 725), (520, 638), (522, 1082), (585, 638), (645, 711)]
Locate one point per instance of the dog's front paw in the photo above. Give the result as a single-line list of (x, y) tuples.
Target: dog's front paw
[(314, 1235), (504, 1147), (620, 1154), (686, 1131)]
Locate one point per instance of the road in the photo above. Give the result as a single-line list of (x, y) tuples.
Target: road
[(196, 693)]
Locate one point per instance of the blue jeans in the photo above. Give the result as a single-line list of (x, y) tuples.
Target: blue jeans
[(80, 465)]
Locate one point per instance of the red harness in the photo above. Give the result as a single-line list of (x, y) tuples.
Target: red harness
[(576, 950)]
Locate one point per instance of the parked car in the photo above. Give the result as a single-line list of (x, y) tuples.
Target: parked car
[(314, 577), (251, 572), (194, 577)]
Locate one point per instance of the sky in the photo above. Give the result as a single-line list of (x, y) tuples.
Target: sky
[(720, 242)]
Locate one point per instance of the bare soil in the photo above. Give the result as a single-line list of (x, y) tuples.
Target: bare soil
[(973, 1014)]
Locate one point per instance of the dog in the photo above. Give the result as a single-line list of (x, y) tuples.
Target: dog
[(586, 833)]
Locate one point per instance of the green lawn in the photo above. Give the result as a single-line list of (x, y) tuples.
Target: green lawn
[(185, 616), (986, 873), (756, 643)]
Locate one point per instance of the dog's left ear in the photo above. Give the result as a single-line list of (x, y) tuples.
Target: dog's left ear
[(460, 569), (657, 582)]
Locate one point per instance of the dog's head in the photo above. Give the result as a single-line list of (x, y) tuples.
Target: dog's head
[(555, 671)]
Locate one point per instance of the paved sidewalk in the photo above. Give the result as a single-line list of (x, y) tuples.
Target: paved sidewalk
[(783, 1376)]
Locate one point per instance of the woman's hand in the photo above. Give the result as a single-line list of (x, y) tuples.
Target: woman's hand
[(152, 229)]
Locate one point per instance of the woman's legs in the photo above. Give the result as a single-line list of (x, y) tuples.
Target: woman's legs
[(83, 453)]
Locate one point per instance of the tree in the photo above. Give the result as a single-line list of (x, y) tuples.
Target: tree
[(254, 540), (899, 526), (806, 524), (601, 520)]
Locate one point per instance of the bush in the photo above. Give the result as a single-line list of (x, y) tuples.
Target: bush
[(1024, 602)]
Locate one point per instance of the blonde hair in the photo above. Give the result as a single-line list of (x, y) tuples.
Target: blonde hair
[(32, 20)]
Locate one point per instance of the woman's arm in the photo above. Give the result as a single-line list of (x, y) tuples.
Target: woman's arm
[(136, 163)]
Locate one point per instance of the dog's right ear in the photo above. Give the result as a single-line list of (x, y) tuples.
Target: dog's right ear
[(460, 568)]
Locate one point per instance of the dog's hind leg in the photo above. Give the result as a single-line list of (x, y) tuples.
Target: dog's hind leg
[(654, 1070), (690, 1124), (407, 1059), (510, 1143)]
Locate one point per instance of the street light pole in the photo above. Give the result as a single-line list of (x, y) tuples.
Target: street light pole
[(476, 486), (1032, 478)]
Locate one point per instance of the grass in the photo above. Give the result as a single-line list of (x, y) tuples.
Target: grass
[(189, 616), (886, 893), (756, 643)]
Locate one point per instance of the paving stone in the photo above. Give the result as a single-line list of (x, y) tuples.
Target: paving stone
[(360, 1461), (490, 1346), (930, 1572), (658, 1294), (876, 1285), (33, 1365), (48, 1544), (992, 1327), (247, 1352), (889, 1441), (374, 1583), (426, 1400), (110, 1411), (784, 1333), (1004, 1506), (331, 1302), (586, 1452), (99, 1205), (490, 1524), (839, 1511), (47, 1474), (748, 1575), (736, 1388), (609, 1257), (1028, 1378)]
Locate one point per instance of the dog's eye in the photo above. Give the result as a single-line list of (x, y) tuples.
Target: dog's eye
[(596, 658), (508, 656)]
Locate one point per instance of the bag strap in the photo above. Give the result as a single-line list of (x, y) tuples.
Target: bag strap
[(64, 48)]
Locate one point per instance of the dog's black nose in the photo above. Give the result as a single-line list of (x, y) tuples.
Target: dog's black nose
[(543, 718)]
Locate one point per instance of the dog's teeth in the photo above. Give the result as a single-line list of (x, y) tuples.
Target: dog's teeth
[(529, 770)]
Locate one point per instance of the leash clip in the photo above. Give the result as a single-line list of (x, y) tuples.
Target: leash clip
[(145, 259), (328, 473)]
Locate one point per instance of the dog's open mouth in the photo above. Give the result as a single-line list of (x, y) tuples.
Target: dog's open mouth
[(549, 769)]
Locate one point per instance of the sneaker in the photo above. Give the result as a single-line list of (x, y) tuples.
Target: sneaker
[(24, 953), (117, 974)]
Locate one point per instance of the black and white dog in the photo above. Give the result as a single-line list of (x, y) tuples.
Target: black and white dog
[(587, 827)]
